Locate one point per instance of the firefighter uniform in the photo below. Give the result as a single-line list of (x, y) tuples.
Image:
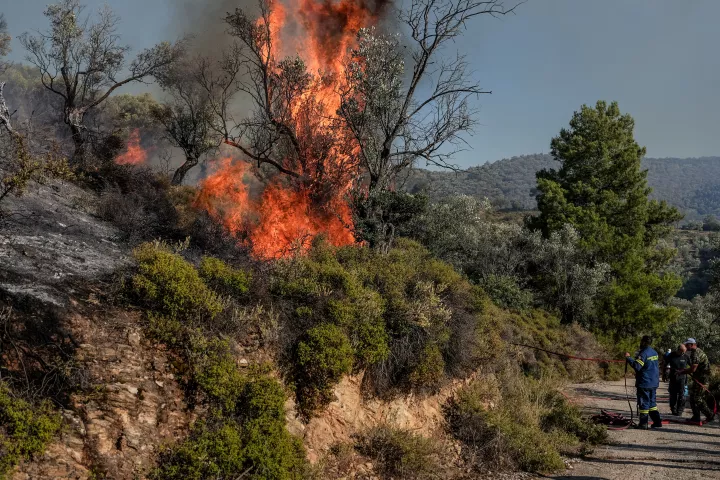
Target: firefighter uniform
[(647, 379)]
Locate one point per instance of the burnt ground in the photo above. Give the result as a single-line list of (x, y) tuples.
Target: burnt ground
[(51, 244), (675, 451)]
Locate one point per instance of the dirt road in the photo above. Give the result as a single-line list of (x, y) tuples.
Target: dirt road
[(676, 451)]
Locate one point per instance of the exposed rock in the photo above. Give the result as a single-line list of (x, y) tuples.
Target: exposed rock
[(350, 413), (55, 253), (117, 427)]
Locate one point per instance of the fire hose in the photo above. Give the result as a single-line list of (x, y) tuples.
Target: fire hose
[(609, 418), (715, 407), (614, 418), (564, 355)]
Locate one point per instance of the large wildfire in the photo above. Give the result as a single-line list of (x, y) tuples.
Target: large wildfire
[(287, 215)]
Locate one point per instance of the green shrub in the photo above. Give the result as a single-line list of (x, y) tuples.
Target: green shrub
[(25, 430), (566, 418), (516, 421), (430, 368), (504, 435), (214, 369), (370, 340), (209, 452), (253, 443), (323, 356), (171, 284), (206, 363), (222, 276), (506, 293), (362, 318), (268, 445), (399, 453), (167, 330), (242, 433), (412, 321), (526, 444)]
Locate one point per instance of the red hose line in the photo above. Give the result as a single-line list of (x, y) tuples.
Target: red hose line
[(599, 360)]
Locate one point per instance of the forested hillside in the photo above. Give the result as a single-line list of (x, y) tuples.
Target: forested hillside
[(691, 184)]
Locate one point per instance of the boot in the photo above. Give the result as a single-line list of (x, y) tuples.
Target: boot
[(657, 420), (643, 421)]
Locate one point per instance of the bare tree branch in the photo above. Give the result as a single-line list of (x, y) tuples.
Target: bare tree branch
[(393, 123), (289, 128)]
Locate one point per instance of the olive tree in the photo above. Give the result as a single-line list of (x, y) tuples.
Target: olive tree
[(394, 121), (83, 62), (508, 259), (187, 115), (4, 41)]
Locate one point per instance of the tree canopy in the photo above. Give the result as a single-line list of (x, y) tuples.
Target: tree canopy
[(601, 190)]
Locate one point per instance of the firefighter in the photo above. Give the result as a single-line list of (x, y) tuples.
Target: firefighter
[(678, 362), (647, 379), (699, 370)]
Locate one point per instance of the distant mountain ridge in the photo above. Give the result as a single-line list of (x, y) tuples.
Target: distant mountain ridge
[(691, 184)]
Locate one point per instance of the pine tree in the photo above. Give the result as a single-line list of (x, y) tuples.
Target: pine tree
[(602, 191)]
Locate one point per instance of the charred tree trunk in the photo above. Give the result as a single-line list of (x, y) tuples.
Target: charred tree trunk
[(78, 157), (183, 169)]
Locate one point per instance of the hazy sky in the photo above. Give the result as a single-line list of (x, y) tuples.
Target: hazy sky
[(657, 58)]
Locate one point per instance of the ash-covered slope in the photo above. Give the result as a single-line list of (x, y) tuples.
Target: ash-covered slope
[(50, 243)]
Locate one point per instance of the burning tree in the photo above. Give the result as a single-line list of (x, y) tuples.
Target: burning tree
[(294, 138), (293, 127), (346, 110), (83, 62)]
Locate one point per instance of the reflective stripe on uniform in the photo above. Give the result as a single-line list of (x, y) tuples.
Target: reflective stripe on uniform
[(644, 412), (653, 409), (640, 362), (654, 357)]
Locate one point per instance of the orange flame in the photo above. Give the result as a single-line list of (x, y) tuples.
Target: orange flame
[(134, 154), (287, 216), (224, 194), (281, 221)]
